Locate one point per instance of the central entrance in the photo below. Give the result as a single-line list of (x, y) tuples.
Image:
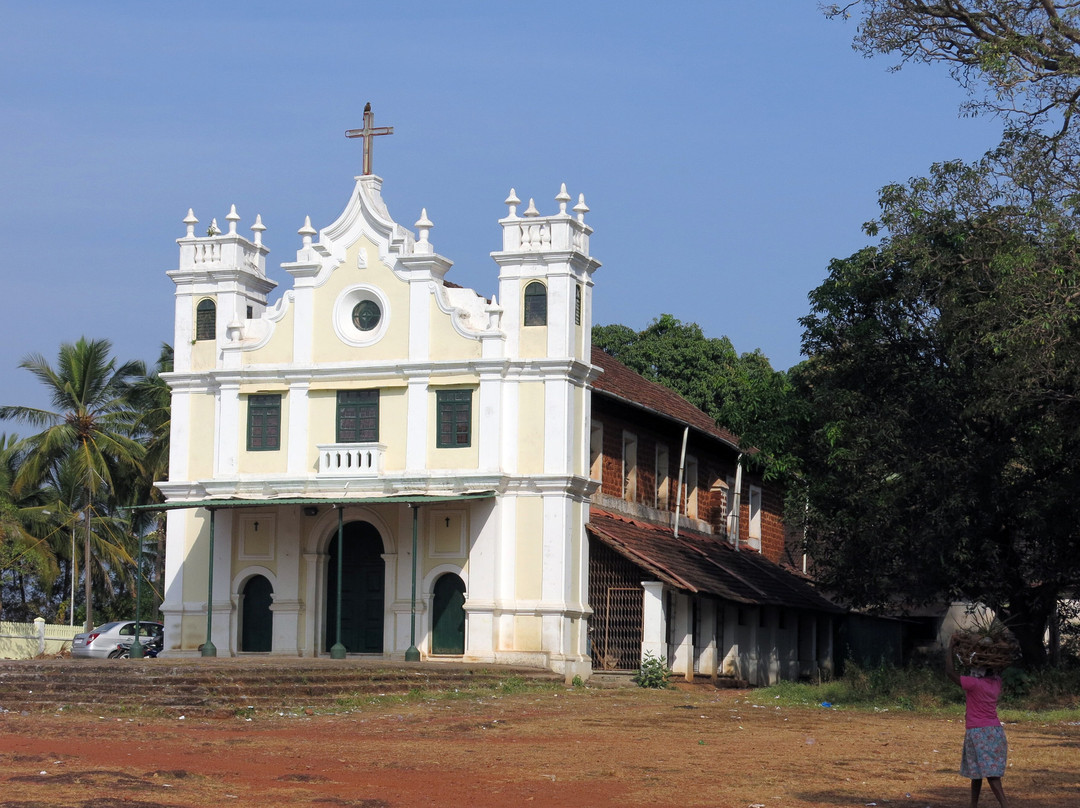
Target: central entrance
[(362, 596)]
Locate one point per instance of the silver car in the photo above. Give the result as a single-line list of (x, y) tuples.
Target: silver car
[(105, 639)]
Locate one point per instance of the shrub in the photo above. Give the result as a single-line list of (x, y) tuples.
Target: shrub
[(653, 673)]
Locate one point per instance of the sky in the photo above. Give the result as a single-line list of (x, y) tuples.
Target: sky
[(727, 150)]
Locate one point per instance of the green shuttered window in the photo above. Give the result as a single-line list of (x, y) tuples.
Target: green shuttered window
[(454, 413)]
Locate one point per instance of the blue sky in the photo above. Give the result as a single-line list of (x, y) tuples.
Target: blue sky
[(727, 150)]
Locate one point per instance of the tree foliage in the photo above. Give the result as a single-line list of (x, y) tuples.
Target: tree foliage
[(1020, 58), (942, 454), (741, 393), (88, 441)]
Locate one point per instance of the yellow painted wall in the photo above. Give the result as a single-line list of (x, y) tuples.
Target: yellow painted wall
[(251, 545), (196, 556), (446, 343), (201, 431), (393, 418), (278, 350), (204, 351), (328, 347), (529, 553), (204, 354), (531, 428), (263, 462), (533, 341), (453, 458)]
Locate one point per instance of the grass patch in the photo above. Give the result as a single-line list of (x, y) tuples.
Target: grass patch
[(508, 686), (1049, 695)]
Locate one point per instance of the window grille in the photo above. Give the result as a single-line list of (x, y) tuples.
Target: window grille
[(617, 599)]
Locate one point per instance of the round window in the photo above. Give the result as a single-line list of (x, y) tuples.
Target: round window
[(366, 315)]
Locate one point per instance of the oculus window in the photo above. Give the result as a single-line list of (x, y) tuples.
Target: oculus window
[(366, 315)]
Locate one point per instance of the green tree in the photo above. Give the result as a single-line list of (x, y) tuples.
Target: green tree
[(942, 450), (1018, 58), (90, 428), (741, 393), (25, 548), (152, 399)]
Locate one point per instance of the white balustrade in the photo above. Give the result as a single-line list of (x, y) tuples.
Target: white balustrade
[(350, 459)]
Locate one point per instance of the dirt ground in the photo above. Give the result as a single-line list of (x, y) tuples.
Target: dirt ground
[(580, 747)]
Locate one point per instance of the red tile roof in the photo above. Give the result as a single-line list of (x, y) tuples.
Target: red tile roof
[(704, 564), (620, 382)]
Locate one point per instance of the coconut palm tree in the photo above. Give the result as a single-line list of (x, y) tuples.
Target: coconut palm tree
[(90, 427), (152, 398), (24, 529)]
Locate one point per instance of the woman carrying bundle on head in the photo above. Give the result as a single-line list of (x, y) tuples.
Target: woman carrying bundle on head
[(985, 747)]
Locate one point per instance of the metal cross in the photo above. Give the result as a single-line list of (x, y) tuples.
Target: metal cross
[(367, 133)]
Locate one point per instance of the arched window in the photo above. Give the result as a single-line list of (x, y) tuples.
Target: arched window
[(206, 320), (535, 304)]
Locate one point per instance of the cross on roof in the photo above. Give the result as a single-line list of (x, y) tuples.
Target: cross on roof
[(367, 133)]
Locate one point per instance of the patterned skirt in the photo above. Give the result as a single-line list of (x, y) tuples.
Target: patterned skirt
[(985, 753)]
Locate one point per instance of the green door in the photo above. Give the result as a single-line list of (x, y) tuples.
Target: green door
[(361, 590), (257, 621), (448, 615)]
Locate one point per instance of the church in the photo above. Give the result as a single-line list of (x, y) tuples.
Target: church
[(381, 462)]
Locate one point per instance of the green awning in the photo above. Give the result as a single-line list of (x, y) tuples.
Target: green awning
[(241, 502)]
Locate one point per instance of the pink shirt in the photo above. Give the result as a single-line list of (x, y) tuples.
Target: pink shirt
[(982, 697)]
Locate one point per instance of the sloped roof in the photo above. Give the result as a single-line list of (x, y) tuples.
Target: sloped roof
[(704, 564), (630, 387)]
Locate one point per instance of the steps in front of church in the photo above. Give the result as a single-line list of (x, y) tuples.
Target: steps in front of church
[(233, 685)]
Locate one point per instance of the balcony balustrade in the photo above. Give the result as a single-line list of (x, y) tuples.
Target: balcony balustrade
[(350, 459)]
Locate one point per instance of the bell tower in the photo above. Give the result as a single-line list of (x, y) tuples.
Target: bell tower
[(545, 280)]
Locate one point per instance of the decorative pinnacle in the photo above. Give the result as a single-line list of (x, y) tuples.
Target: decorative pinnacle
[(213, 229), (307, 231), (531, 210), (562, 199), (258, 228), (424, 225), (232, 219), (513, 202), (190, 221), (581, 208)]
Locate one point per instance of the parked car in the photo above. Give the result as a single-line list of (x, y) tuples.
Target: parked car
[(103, 640)]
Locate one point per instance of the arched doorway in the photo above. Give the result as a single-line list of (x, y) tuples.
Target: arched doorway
[(256, 619), (362, 582), (448, 616)]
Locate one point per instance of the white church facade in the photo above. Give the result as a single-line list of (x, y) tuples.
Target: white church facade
[(382, 462)]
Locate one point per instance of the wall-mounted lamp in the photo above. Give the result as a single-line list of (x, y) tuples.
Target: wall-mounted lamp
[(310, 510), (256, 527), (448, 521)]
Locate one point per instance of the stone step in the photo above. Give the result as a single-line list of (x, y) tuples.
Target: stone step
[(232, 684)]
